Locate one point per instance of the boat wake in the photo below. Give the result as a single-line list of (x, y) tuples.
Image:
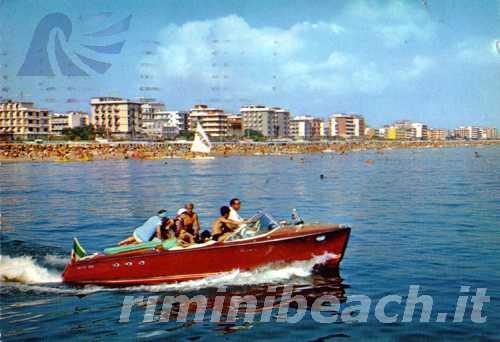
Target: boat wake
[(26, 275), (25, 270), (56, 260), (296, 271)]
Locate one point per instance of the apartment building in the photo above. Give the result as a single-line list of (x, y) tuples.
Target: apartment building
[(152, 122), (318, 130), (407, 130), (61, 121), (119, 117), (489, 133), (301, 127), (281, 122), (391, 133), (467, 132), (234, 125), (272, 122), (438, 134), (165, 124), (148, 109), (419, 131), (213, 120), (381, 132), (21, 120), (346, 125)]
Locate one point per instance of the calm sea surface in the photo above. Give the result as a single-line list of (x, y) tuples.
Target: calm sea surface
[(427, 217)]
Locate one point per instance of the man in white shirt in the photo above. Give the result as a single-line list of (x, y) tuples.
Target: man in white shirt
[(234, 215), (234, 207)]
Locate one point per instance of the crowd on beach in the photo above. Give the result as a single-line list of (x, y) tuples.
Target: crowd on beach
[(18, 152)]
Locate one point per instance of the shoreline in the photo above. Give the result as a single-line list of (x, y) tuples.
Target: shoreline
[(86, 152)]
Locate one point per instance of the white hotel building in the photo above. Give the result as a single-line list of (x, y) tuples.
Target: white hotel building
[(272, 122), (301, 127), (346, 125), (213, 120), (21, 120), (61, 121)]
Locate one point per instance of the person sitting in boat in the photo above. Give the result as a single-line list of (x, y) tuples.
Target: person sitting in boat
[(147, 230), (223, 227), (166, 229), (205, 236), (234, 207), (190, 220), (184, 236), (234, 215)]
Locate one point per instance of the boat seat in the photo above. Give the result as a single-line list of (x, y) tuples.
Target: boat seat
[(166, 244), (131, 247)]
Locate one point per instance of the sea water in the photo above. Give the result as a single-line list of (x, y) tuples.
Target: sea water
[(426, 217)]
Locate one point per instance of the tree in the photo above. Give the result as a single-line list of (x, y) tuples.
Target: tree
[(80, 133), (254, 135), (186, 135)]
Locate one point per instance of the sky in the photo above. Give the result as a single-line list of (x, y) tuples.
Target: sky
[(436, 62)]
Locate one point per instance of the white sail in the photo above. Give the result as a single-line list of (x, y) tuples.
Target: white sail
[(201, 144)]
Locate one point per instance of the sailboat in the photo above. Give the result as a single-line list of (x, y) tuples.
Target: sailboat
[(201, 144)]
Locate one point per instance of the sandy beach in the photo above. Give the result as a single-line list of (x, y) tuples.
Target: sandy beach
[(12, 152)]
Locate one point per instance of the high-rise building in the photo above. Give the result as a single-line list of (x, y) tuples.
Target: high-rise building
[(391, 133), (21, 120), (301, 127), (152, 124), (213, 120), (346, 125), (280, 122), (149, 107), (61, 121), (165, 124), (381, 132), (120, 117), (489, 133), (420, 131), (467, 132), (404, 133), (318, 128), (407, 130), (272, 122), (234, 125), (438, 134)]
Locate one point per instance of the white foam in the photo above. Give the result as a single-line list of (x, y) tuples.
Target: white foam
[(24, 269), (269, 274), (56, 260)]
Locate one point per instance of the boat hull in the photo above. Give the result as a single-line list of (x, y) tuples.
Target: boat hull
[(159, 266)]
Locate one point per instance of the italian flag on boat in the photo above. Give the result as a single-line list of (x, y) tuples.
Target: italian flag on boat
[(78, 251)]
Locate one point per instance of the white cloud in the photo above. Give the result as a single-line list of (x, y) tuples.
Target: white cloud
[(227, 57), (395, 22), (478, 51), (418, 66), (369, 79), (338, 59)]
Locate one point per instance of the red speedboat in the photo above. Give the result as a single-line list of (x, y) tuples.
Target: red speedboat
[(272, 243)]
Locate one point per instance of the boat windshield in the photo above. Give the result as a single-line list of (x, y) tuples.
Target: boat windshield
[(258, 224), (263, 220)]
